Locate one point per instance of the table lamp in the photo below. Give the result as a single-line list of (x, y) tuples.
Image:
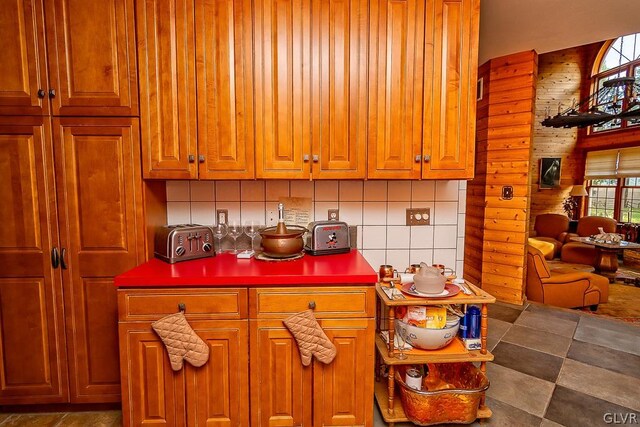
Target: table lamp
[(577, 192)]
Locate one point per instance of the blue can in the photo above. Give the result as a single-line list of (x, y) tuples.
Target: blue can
[(470, 323)]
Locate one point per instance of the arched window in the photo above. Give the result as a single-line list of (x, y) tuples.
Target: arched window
[(620, 58)]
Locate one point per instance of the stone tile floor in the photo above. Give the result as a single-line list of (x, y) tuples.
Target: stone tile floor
[(553, 367)]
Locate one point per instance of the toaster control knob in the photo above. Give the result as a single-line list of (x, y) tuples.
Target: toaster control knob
[(207, 247), (180, 251)]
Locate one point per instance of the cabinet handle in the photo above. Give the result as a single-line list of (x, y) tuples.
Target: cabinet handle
[(427, 158), (192, 158), (201, 158), (63, 262), (316, 158), (41, 93), (52, 93), (418, 158), (305, 158), (312, 305), (55, 258), (182, 307)]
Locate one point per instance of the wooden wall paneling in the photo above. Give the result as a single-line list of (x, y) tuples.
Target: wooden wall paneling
[(167, 75), (396, 81), (99, 183), (32, 351), (282, 88), (23, 65), (92, 57), (339, 79), (224, 52)]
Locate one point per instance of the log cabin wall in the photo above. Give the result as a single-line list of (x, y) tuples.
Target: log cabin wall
[(507, 121), (563, 76)]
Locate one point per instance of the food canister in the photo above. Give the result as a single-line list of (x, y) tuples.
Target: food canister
[(413, 379), (470, 323)]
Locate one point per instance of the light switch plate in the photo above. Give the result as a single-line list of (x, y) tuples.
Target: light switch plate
[(418, 216)]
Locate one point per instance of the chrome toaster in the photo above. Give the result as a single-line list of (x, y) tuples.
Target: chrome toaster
[(183, 242), (328, 237)]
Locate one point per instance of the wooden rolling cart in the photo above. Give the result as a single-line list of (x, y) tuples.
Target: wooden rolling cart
[(385, 394)]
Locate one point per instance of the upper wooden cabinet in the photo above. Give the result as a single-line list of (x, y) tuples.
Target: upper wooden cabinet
[(90, 54), (450, 98), (184, 44)]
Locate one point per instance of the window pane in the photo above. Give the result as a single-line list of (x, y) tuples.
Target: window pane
[(602, 194), (612, 57), (630, 208), (604, 182)]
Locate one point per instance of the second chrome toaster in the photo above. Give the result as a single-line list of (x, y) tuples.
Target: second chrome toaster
[(328, 237), (183, 242)]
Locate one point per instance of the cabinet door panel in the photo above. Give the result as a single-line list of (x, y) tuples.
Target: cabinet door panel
[(218, 392), (395, 88), (282, 88), (99, 183), (22, 58), (152, 392), (340, 40), (166, 54), (92, 57), (343, 389), (280, 385), (225, 104), (32, 353), (450, 109)]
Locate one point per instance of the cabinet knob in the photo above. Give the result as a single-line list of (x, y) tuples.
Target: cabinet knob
[(201, 158), (192, 158), (182, 307), (312, 305), (52, 93), (41, 93), (316, 158), (418, 158), (305, 158), (427, 158)]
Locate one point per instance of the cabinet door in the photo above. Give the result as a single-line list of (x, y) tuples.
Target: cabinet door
[(92, 57), (280, 385), (98, 182), (339, 108), (282, 88), (450, 101), (152, 393), (224, 55), (166, 56), (343, 389), (22, 58), (32, 353), (218, 392), (395, 88)]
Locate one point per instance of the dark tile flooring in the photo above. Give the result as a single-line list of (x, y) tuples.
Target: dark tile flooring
[(553, 367)]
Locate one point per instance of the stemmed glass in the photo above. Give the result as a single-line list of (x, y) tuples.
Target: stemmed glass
[(219, 231), (401, 341), (235, 231), (252, 229)]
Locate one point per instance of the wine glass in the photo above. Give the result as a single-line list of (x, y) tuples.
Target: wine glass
[(401, 342), (219, 231), (235, 231), (251, 229)]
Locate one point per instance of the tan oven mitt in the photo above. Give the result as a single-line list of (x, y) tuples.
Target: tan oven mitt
[(310, 337), (181, 341)]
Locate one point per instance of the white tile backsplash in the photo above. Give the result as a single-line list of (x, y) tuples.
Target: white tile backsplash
[(377, 208)]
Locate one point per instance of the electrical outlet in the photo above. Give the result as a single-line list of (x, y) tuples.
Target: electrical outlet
[(272, 218), (418, 216), (333, 214), (222, 215)]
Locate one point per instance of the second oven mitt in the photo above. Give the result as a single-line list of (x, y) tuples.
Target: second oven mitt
[(311, 339), (181, 342)]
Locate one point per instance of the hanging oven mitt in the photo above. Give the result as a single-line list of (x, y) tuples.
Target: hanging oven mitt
[(181, 341), (310, 337)]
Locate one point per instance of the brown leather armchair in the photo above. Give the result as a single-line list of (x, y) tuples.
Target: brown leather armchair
[(563, 289), (582, 253), (552, 228)]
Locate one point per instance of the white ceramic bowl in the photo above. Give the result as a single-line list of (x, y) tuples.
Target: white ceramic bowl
[(431, 284), (426, 338)]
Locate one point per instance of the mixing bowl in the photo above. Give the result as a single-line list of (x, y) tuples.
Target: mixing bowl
[(426, 338)]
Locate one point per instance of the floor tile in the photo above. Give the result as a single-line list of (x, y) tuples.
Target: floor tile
[(610, 325), (561, 313), (94, 419), (543, 322), (549, 423), (519, 390), (503, 312), (607, 358), (505, 415), (34, 420), (601, 383), (572, 408), (543, 341), (531, 362), (496, 330), (606, 335)]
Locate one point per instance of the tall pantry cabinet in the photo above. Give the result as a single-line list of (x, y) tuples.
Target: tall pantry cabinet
[(71, 184)]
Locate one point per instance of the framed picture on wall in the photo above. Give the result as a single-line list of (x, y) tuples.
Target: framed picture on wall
[(549, 172)]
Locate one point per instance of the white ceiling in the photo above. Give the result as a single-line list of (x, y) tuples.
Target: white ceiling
[(510, 26)]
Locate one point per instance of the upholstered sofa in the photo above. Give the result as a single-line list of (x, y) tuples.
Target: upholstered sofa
[(551, 228), (582, 253), (565, 287)]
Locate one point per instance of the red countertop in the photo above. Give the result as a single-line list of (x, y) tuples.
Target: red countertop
[(227, 270)]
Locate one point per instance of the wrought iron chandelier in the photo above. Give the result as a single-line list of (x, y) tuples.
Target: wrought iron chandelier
[(618, 98)]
